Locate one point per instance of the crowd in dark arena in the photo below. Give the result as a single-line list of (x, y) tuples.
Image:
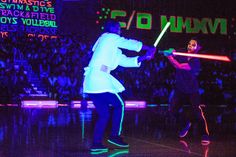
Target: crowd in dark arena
[(106, 78), (55, 67)]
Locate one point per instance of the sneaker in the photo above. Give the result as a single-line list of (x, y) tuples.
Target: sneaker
[(98, 147), (118, 141), (184, 132), (205, 140)]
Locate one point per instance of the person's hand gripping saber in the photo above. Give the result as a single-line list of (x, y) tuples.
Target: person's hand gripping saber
[(151, 53), (171, 51), (205, 56)]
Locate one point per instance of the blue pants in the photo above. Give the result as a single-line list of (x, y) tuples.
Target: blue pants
[(102, 102)]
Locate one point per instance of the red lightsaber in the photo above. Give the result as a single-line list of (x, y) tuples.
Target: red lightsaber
[(205, 56)]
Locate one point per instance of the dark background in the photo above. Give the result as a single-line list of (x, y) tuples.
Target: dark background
[(80, 16)]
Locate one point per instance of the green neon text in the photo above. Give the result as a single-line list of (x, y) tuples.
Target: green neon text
[(179, 24), (194, 25)]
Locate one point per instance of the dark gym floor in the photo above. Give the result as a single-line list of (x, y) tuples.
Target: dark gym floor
[(67, 132)]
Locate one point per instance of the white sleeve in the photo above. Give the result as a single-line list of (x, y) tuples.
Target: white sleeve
[(129, 44), (125, 61)]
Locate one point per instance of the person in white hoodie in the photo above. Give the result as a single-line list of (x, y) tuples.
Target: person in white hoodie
[(102, 88)]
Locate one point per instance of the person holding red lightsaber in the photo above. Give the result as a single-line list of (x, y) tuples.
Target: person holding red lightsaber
[(187, 91)]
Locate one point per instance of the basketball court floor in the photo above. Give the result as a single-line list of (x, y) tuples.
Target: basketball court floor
[(150, 131)]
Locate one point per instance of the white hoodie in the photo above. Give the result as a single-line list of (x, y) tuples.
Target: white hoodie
[(107, 53)]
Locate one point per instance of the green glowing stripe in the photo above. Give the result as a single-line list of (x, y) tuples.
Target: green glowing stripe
[(98, 151), (122, 114), (83, 117), (119, 152), (124, 146)]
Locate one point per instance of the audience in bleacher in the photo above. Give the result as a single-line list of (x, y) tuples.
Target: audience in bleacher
[(59, 64)]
